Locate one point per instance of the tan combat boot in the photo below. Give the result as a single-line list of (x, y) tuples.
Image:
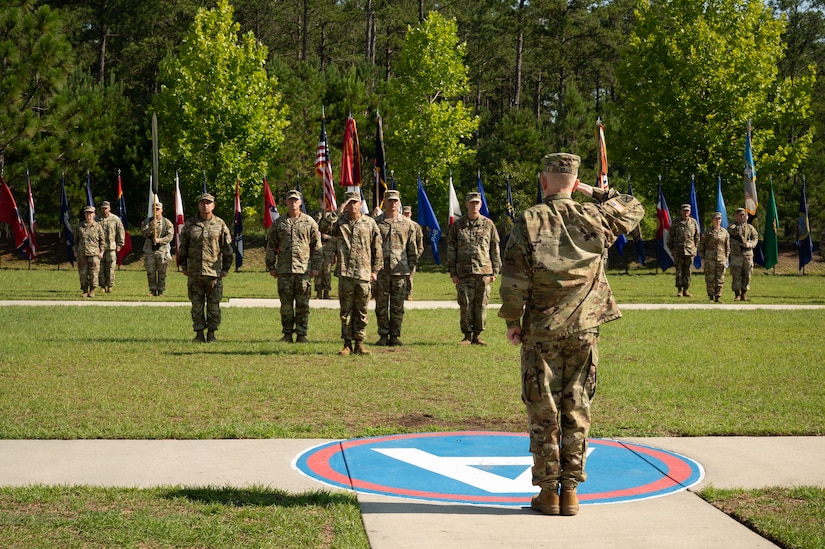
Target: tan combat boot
[(286, 339), (319, 295), (547, 502), (210, 336), (301, 339), (678, 292), (477, 340), (382, 341), (395, 342), (468, 339), (686, 293), (743, 296), (198, 337), (359, 348), (347, 348), (326, 294), (569, 502), (92, 292)]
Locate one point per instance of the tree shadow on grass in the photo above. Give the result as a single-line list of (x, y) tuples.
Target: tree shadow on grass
[(259, 497)]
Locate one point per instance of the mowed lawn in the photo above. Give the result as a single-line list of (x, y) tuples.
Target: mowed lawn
[(131, 372)]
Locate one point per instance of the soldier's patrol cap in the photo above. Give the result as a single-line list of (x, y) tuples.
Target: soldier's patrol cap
[(105, 204), (406, 209), (716, 215), (685, 207), (352, 196), (88, 209), (392, 195), (741, 211), (158, 205), (293, 194), (473, 197), (206, 196), (564, 163)]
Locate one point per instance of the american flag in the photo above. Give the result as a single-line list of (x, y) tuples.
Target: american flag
[(324, 170)]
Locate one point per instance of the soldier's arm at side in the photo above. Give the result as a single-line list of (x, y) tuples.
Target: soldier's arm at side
[(227, 252), (516, 272)]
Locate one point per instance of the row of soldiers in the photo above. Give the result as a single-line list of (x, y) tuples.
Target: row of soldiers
[(718, 247)]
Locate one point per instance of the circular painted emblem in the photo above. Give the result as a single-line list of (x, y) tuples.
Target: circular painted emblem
[(489, 468)]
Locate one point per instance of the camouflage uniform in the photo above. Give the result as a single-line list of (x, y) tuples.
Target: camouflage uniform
[(114, 236), (743, 239), (554, 274), (323, 280), (473, 256), (293, 250), (205, 251), (419, 244), (89, 244), (400, 258), (156, 256), (359, 251), (714, 248), (682, 241)]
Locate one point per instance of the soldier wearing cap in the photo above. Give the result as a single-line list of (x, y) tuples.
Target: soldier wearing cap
[(323, 280), (400, 254), (89, 244), (743, 239), (714, 248), (158, 233), (293, 256), (206, 253), (360, 256), (114, 235), (419, 244), (682, 241), (474, 261), (555, 295)]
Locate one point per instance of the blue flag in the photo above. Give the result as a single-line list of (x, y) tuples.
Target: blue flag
[(694, 213), (66, 220), (720, 203), (89, 200), (484, 210), (803, 231), (428, 220), (539, 193)]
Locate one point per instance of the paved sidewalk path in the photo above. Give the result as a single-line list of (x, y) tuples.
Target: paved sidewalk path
[(681, 520)]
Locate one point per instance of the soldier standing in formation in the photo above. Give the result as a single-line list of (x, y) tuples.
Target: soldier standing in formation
[(206, 253), (323, 280), (419, 244), (555, 295), (360, 257), (89, 244), (714, 248), (293, 256), (743, 239), (400, 255), (158, 232), (474, 261), (114, 235), (682, 241)]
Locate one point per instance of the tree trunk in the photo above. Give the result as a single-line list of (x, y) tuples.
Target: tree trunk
[(101, 66), (519, 54), (368, 45), (304, 31)]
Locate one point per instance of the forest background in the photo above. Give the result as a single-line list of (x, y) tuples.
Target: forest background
[(466, 89)]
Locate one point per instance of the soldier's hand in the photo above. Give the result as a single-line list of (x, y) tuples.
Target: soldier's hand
[(455, 280), (373, 277), (274, 273), (185, 272), (514, 335), (313, 273), (224, 273)]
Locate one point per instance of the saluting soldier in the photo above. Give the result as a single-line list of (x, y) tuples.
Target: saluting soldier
[(714, 247), (743, 239), (114, 235), (682, 241), (158, 232), (474, 261), (400, 258), (206, 253), (89, 244), (419, 244), (555, 295), (293, 256)]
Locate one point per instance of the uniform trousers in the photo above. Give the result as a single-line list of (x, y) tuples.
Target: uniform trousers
[(108, 268), (353, 296), (390, 294), (88, 267), (294, 292), (473, 297), (205, 293), (156, 264), (741, 269)]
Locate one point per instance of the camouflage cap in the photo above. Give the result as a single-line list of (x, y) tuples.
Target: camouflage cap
[(741, 211), (206, 196), (685, 207), (105, 204), (352, 196), (392, 195), (406, 209), (158, 205), (89, 209), (564, 163), (716, 215), (473, 197), (293, 194)]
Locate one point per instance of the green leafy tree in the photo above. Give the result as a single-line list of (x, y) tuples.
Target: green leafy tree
[(219, 112), (427, 125), (693, 75)]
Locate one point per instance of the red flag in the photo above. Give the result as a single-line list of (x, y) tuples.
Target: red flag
[(351, 156), (324, 170), (11, 215), (179, 220), (270, 209), (121, 213), (32, 225), (602, 150)]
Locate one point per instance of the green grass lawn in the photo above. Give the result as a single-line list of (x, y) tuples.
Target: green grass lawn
[(131, 372)]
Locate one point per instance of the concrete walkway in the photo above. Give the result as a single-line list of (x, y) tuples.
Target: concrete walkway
[(680, 520)]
